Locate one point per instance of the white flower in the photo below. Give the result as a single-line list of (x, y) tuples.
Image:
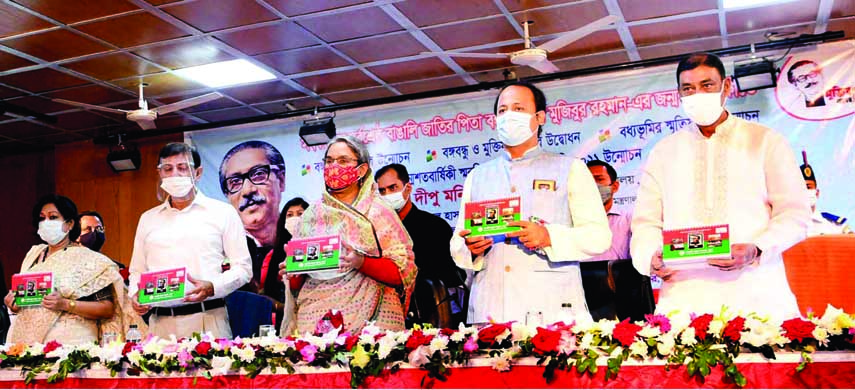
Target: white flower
[(587, 339), (649, 331), (370, 329), (221, 365), (829, 320), (520, 332), (418, 356), (135, 357), (638, 348), (320, 342), (821, 335), (458, 336), (246, 354), (402, 337), (280, 347), (502, 336), (616, 352), (438, 343), (583, 324), (430, 331), (153, 347), (36, 349), (688, 337), (387, 344), (715, 328), (500, 364), (665, 346), (366, 339), (679, 322), (111, 353), (63, 352), (607, 327)]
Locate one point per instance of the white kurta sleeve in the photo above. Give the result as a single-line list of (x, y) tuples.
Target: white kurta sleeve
[(459, 251), (236, 250), (785, 187), (647, 218), (590, 234)]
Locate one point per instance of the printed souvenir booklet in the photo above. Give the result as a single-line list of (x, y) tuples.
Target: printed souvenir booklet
[(162, 286), (491, 217), (695, 245), (312, 254), (31, 288)]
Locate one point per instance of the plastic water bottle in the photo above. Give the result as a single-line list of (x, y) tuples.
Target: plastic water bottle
[(134, 334)]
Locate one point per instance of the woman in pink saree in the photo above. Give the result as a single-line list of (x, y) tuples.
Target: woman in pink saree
[(376, 274)]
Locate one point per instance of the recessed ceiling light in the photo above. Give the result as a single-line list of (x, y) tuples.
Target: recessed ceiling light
[(735, 4), (222, 74)]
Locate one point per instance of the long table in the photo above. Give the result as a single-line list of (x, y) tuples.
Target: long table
[(828, 370)]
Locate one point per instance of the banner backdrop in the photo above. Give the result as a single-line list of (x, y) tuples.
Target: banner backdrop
[(616, 118)]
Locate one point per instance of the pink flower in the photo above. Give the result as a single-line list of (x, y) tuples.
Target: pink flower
[(567, 344), (659, 320), (51, 346), (308, 352), (471, 345), (184, 358), (171, 348)]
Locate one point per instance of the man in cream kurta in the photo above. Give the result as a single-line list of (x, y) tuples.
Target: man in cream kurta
[(536, 270), (725, 170)]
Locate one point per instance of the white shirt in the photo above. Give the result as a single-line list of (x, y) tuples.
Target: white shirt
[(745, 175), (820, 226), (199, 237), (511, 280)]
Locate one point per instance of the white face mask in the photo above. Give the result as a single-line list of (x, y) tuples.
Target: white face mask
[(52, 231), (395, 200), (514, 127), (291, 224), (811, 195), (177, 186), (703, 108)]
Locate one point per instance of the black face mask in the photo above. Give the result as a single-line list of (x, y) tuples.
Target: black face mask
[(93, 240)]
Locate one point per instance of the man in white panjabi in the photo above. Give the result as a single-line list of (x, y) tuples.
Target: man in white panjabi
[(721, 169), (534, 273), (193, 231)]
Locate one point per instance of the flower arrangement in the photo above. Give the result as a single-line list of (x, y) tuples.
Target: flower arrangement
[(700, 342)]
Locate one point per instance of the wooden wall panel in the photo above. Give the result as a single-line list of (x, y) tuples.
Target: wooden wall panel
[(27, 178)]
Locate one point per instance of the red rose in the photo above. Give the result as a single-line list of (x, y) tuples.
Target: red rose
[(417, 338), (488, 335), (733, 329), (701, 325), (203, 348), (379, 336), (625, 332), (51, 346), (128, 347), (798, 329), (545, 340), (335, 318), (350, 342), (447, 331)]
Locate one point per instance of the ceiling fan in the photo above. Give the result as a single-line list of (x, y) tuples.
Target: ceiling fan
[(535, 57), (143, 116)]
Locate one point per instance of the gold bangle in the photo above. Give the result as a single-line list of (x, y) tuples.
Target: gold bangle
[(71, 305)]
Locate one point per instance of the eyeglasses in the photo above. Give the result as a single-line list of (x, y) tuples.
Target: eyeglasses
[(182, 168), (339, 160), (257, 175), (805, 77), (90, 229)]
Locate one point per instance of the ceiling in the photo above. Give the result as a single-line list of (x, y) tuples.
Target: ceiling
[(326, 52)]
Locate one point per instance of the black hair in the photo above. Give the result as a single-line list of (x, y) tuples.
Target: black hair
[(539, 98), (91, 213), (798, 64), (176, 148), (66, 208), (599, 163), (270, 152), (695, 60), (399, 169), (298, 201)]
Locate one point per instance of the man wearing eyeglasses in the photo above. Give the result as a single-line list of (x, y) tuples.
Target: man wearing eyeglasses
[(252, 177), (92, 236), (806, 76), (193, 231)]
